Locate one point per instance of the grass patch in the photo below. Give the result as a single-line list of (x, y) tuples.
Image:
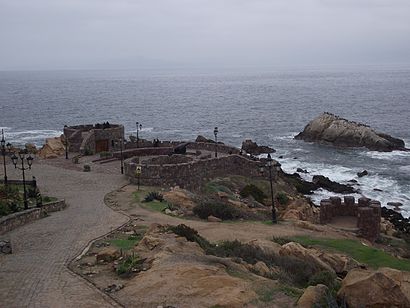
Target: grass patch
[(126, 244), (47, 199), (216, 186), (156, 205), (371, 256), (290, 291)]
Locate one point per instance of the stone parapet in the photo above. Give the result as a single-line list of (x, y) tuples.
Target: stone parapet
[(367, 211), (12, 221), (191, 175)]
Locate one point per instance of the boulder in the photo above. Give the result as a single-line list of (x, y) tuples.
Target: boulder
[(261, 269), (214, 219), (385, 287), (107, 254), (312, 296), (332, 262), (362, 174), (52, 148), (331, 129), (298, 209), (300, 170), (326, 183), (253, 148), (5, 247), (31, 148)]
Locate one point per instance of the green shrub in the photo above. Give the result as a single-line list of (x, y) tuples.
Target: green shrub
[(191, 235), (281, 240), (88, 152), (282, 198), (217, 209), (254, 191), (154, 195), (4, 208), (87, 168), (105, 154), (129, 265), (323, 277)]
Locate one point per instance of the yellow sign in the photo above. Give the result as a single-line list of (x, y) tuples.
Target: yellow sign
[(138, 170)]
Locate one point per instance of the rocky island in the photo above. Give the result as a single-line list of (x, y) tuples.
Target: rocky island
[(331, 129)]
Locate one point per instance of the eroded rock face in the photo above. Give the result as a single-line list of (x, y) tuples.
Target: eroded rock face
[(253, 148), (312, 296), (180, 274), (385, 287), (331, 129), (53, 148), (332, 262)]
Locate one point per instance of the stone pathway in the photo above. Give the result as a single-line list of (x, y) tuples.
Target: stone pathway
[(35, 275)]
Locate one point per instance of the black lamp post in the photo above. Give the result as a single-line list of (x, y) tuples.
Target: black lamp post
[(3, 153), (29, 159), (269, 165), (120, 142), (216, 141), (139, 127), (66, 146)]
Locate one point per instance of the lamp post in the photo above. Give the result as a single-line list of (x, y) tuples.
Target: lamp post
[(66, 146), (216, 141), (3, 153), (139, 127), (269, 165), (29, 159), (120, 142)]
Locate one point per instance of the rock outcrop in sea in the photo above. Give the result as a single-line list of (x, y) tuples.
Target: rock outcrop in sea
[(331, 129)]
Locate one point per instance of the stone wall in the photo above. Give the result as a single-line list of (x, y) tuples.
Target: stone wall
[(144, 152), (12, 221), (222, 148), (83, 138), (367, 211), (191, 175)]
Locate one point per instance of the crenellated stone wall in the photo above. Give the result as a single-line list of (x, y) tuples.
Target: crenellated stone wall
[(367, 211), (191, 175)]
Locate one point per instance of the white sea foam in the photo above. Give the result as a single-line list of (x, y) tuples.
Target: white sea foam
[(36, 137), (288, 136), (391, 190), (144, 129), (386, 155)]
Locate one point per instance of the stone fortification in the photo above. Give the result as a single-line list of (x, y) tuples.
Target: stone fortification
[(191, 175), (90, 139), (367, 211)]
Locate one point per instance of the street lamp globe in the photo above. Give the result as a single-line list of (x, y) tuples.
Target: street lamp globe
[(14, 159), (30, 161)]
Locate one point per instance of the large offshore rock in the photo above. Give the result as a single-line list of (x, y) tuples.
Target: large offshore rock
[(331, 129), (385, 287)]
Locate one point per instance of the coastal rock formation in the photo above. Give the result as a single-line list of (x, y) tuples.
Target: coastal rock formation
[(318, 181), (326, 183), (385, 287), (253, 148), (201, 138), (331, 129), (52, 148)]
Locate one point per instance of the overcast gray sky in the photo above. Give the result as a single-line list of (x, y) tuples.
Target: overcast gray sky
[(76, 34)]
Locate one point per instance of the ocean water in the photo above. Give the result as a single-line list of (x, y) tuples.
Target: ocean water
[(269, 106)]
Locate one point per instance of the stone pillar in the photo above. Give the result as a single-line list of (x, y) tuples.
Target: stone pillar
[(326, 212), (363, 201), (368, 223), (350, 206), (336, 206)]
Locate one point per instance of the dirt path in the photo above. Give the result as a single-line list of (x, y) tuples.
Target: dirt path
[(36, 274), (122, 200)]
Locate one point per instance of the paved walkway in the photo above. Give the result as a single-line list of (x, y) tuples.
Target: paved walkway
[(35, 275)]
